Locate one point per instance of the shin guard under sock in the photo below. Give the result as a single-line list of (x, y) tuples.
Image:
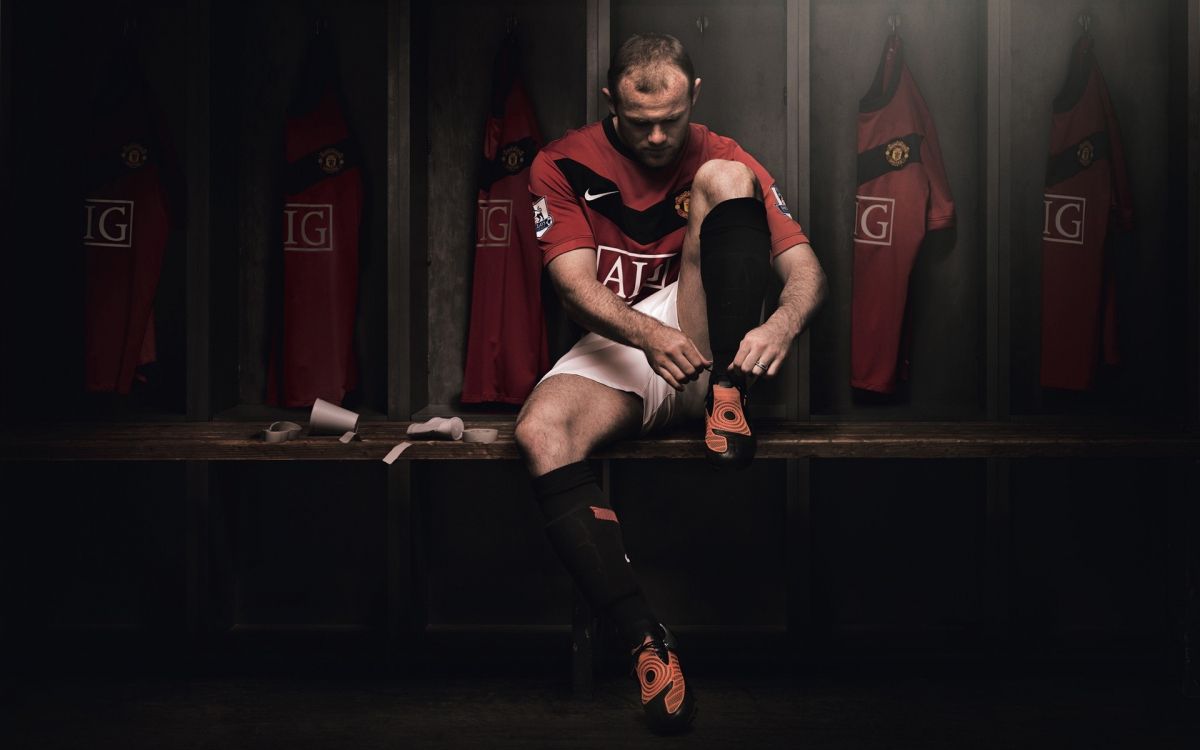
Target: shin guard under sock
[(584, 531), (735, 254)]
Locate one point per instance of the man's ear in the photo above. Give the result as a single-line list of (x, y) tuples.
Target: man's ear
[(612, 109), (695, 91)]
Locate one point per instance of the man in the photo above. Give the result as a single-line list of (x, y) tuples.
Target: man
[(656, 236)]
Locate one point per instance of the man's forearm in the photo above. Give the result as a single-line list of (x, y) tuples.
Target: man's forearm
[(803, 292), (597, 309)]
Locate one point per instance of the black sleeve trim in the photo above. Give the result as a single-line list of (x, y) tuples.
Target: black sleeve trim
[(1071, 161), (644, 227), (511, 158), (873, 163), (307, 171)]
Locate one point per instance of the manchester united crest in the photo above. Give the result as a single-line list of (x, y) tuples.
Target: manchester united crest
[(683, 202), (134, 155), (331, 160), (512, 157), (1086, 153), (896, 153)]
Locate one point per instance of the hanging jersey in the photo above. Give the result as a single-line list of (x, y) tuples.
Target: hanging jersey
[(126, 222), (589, 190), (902, 192), (1087, 189), (506, 344), (313, 356)]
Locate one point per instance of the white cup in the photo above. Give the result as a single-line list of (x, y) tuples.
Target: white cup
[(331, 419)]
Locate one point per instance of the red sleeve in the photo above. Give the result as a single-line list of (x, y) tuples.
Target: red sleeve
[(785, 231), (940, 214), (559, 223)]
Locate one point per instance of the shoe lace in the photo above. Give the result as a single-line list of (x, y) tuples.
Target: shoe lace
[(660, 650)]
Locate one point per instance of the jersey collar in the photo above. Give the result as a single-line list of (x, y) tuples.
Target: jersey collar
[(887, 77), (610, 131)]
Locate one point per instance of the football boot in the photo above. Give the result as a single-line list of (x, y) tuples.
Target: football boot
[(728, 441), (670, 705)]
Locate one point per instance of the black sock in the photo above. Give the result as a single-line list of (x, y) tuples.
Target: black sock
[(735, 254), (584, 531)]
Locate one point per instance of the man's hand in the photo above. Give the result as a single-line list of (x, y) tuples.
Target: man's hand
[(804, 290), (768, 344), (673, 355), (670, 352)]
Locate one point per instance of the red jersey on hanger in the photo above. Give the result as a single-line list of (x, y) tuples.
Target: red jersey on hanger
[(506, 345), (1087, 189), (127, 218), (313, 356), (902, 192)]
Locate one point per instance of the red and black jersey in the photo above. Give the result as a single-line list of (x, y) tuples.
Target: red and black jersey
[(313, 356), (506, 345), (128, 215), (902, 192), (1087, 189), (589, 190)]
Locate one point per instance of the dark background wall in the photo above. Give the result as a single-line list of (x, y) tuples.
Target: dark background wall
[(291, 563)]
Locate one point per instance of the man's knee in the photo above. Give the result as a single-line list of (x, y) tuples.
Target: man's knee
[(722, 179), (539, 430), (528, 430)]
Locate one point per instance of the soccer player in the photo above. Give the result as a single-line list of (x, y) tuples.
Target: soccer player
[(658, 239)]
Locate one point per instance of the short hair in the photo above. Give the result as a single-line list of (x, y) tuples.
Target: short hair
[(649, 51)]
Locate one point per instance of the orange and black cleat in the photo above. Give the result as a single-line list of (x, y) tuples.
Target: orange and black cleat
[(670, 705), (728, 442)]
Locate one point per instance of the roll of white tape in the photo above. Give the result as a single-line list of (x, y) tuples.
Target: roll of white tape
[(281, 432)]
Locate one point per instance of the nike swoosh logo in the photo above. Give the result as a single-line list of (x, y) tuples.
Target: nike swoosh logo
[(587, 194)]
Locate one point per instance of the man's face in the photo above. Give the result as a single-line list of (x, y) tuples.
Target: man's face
[(654, 125)]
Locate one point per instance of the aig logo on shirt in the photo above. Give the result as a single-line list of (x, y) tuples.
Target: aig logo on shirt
[(107, 223), (1065, 215), (494, 223), (873, 219), (308, 227), (628, 273)]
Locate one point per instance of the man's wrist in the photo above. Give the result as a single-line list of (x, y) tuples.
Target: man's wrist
[(641, 329), (782, 326)]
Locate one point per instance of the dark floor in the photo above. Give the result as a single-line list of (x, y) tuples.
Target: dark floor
[(809, 713)]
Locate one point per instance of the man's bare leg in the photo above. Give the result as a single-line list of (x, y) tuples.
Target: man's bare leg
[(564, 419), (568, 416)]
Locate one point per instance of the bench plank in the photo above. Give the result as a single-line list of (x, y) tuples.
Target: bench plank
[(241, 441)]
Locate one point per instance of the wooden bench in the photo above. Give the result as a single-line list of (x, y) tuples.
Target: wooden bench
[(201, 442), (241, 441)]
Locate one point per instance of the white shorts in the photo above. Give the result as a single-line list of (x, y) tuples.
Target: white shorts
[(625, 368)]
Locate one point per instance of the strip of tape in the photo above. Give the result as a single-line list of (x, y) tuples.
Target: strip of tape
[(347, 437), (395, 452)]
